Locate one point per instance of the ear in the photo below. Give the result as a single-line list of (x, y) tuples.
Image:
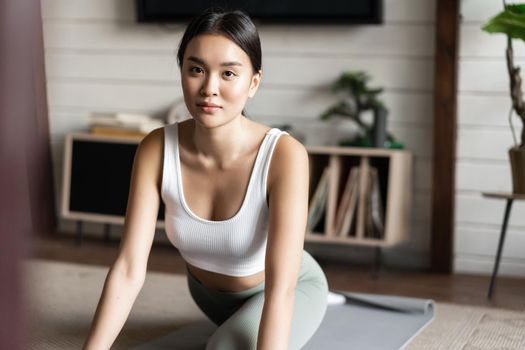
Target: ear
[(254, 85)]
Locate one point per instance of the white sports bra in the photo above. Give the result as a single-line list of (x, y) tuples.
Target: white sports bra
[(235, 246)]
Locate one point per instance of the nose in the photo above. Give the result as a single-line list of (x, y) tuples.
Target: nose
[(210, 86)]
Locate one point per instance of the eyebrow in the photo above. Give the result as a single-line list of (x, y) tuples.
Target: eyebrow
[(223, 64)]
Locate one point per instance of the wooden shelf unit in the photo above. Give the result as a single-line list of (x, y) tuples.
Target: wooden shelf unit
[(395, 180)]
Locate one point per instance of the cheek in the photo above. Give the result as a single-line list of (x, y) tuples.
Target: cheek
[(188, 93), (239, 90), (188, 86)]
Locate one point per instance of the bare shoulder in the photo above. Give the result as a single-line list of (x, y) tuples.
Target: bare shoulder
[(149, 154), (289, 157), (153, 141), (287, 150)]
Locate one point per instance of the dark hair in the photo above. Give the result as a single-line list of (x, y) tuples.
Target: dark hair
[(235, 25)]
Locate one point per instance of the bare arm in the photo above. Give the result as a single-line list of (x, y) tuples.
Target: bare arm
[(288, 206), (127, 274)]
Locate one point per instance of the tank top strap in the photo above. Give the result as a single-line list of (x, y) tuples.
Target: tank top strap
[(169, 168), (275, 133)]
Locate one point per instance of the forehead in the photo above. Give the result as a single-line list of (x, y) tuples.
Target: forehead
[(215, 49)]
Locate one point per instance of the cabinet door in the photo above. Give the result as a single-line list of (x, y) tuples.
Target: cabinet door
[(100, 174)]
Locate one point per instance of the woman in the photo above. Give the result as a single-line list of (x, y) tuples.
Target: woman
[(236, 196)]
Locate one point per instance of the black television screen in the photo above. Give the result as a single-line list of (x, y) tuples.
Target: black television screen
[(276, 11)]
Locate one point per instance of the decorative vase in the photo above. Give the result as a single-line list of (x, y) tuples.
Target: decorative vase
[(517, 164), (379, 127)]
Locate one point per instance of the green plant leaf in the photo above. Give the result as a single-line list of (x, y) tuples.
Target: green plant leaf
[(342, 109), (511, 22), (515, 8)]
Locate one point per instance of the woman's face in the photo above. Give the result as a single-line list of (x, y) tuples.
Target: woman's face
[(217, 79)]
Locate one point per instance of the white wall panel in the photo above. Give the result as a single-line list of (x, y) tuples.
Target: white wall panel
[(110, 36), (162, 68), (388, 39), (88, 9), (483, 176), (421, 207), (490, 143), (479, 10), (489, 75), (476, 43), (422, 174), (122, 96), (473, 209), (488, 109), (484, 242)]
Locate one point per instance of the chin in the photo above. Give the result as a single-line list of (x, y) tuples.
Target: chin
[(211, 120), (208, 121)]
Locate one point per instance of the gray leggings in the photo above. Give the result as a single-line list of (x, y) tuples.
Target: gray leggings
[(238, 314)]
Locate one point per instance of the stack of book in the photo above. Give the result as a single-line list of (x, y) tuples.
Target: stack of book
[(360, 211), (317, 205), (122, 124)]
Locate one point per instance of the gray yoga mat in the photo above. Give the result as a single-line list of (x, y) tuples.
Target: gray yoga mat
[(364, 321)]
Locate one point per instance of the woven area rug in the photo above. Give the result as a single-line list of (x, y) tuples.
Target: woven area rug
[(62, 297)]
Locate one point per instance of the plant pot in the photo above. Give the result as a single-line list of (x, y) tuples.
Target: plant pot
[(517, 164)]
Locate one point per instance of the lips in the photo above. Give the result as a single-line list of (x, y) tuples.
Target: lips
[(209, 108), (207, 104)]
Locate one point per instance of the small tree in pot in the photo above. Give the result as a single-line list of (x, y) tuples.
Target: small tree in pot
[(358, 98), (511, 21)]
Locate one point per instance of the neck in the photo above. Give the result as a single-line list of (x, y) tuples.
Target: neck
[(220, 146)]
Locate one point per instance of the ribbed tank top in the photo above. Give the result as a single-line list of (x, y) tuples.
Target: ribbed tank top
[(235, 246)]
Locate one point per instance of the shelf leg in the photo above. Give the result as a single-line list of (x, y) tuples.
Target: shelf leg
[(378, 262), (78, 237), (500, 248), (107, 232)]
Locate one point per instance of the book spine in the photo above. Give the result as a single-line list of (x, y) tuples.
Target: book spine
[(318, 203)]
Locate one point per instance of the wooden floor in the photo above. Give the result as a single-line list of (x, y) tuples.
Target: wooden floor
[(462, 289)]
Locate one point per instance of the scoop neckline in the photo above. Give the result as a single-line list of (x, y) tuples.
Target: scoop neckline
[(246, 193)]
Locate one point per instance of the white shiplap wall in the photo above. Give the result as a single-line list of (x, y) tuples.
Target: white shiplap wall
[(484, 137), (99, 59)]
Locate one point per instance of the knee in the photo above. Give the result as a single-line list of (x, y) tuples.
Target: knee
[(229, 338)]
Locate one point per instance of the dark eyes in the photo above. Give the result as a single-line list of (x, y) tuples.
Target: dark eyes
[(198, 70)]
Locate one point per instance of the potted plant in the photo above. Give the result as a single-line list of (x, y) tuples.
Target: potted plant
[(358, 98), (511, 22)]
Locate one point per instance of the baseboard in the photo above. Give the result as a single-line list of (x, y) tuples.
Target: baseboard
[(483, 265), (357, 255)]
